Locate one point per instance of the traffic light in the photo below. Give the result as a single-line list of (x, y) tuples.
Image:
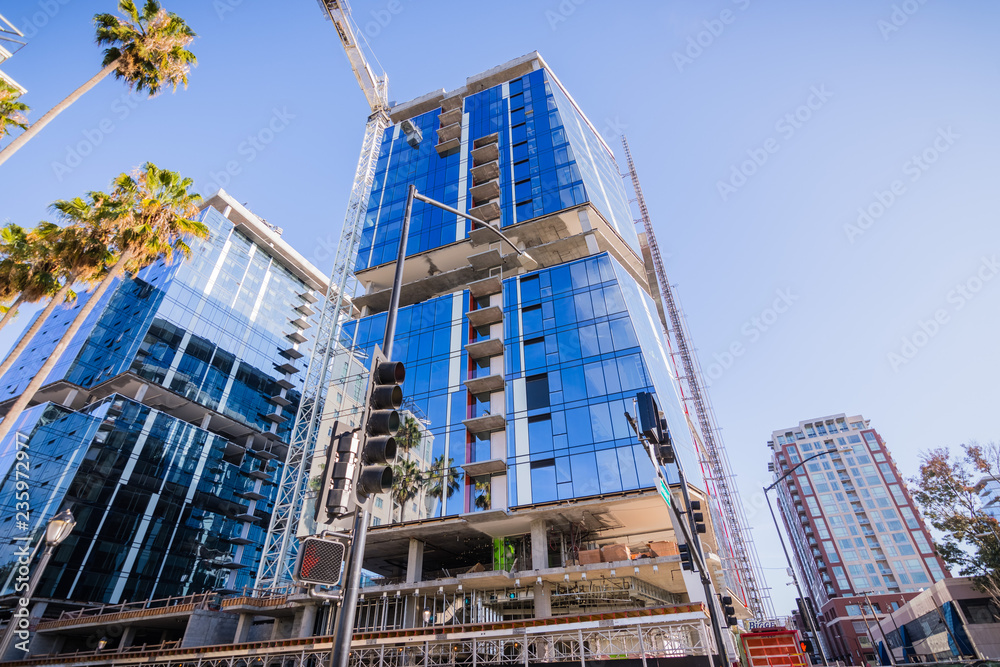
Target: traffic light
[(686, 562), (320, 561), (665, 453), (806, 645), (650, 424), (357, 461), (381, 425), (729, 610), (697, 516)]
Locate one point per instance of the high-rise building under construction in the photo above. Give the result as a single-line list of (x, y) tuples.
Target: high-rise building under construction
[(535, 500)]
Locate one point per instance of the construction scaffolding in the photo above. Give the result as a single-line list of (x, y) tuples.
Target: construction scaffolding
[(743, 557), (281, 543), (665, 632)]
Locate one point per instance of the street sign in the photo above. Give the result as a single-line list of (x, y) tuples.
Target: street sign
[(664, 491)]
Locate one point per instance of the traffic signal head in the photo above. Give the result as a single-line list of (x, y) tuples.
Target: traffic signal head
[(697, 516), (358, 461), (685, 553), (320, 561), (806, 645), (649, 418), (666, 454), (382, 422)]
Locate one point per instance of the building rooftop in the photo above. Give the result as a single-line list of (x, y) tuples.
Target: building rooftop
[(479, 82), (264, 235)]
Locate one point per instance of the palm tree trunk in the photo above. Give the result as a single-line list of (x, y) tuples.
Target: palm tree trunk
[(36, 382), (37, 126), (22, 344), (11, 311)]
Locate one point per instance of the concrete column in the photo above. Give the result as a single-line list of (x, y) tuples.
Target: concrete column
[(539, 545), (243, 628), (128, 635), (543, 599), (307, 620), (415, 562)]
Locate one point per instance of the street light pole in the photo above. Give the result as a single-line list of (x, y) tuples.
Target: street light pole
[(791, 568), (359, 533), (58, 529)]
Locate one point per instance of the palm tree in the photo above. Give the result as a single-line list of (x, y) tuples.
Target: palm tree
[(11, 109), (405, 484), (145, 218), (56, 258), (409, 434), (443, 478), (145, 49), (17, 253), (483, 494)]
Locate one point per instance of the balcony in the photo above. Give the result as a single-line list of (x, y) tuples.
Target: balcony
[(286, 368), (296, 337), (276, 417), (486, 191), (449, 132), (486, 260), (485, 424), (482, 317), (449, 146), (485, 172), (291, 353), (486, 348), (486, 212), (485, 385), (480, 468), (485, 287), (308, 297), (450, 117), (485, 154)]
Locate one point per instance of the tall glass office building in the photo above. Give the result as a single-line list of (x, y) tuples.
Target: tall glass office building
[(164, 424), (520, 369)]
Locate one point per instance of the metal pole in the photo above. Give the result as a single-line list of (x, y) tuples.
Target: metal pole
[(706, 580), (868, 628), (481, 223), (359, 532), (809, 619), (32, 585)]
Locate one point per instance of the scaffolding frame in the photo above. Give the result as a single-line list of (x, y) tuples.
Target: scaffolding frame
[(743, 552)]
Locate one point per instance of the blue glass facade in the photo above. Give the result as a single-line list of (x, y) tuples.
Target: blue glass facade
[(581, 340), (550, 160), (173, 481), (152, 496)]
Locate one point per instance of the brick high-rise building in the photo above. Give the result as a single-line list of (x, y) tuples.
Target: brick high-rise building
[(853, 527)]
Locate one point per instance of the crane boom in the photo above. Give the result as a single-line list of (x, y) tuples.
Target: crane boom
[(374, 88)]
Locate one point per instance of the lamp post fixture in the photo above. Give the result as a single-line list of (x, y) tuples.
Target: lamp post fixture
[(791, 568), (57, 530)]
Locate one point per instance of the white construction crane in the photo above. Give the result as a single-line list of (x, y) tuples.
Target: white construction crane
[(281, 544)]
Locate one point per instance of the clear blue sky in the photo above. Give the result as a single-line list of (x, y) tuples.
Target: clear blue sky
[(700, 88)]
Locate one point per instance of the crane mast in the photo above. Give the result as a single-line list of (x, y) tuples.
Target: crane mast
[(744, 554), (281, 543)]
